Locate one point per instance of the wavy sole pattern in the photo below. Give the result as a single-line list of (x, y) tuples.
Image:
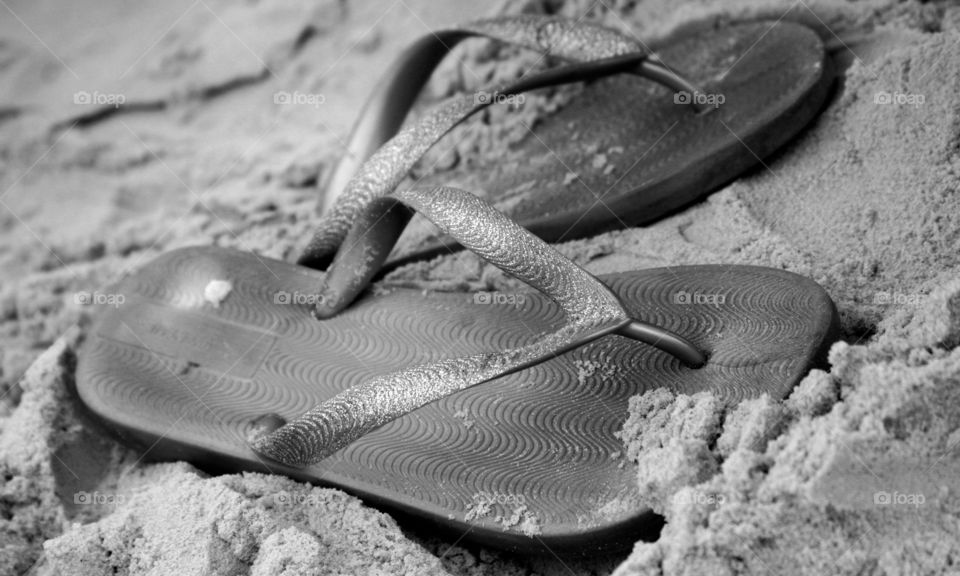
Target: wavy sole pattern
[(184, 378)]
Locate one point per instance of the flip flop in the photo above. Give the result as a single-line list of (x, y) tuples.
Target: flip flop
[(750, 87), (529, 458), (492, 415)]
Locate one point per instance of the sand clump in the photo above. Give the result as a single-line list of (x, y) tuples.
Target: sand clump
[(176, 521), (873, 483), (669, 437), (28, 440)]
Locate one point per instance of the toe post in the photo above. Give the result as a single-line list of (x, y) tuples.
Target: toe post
[(670, 342), (262, 426)]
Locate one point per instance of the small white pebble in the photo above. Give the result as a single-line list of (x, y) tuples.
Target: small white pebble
[(465, 416), (217, 291), (570, 177), (530, 525)]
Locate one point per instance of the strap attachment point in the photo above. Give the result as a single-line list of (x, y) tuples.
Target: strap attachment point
[(670, 342)]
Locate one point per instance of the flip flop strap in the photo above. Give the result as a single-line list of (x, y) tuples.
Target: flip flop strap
[(358, 259), (592, 311), (395, 93), (367, 220), (595, 48)]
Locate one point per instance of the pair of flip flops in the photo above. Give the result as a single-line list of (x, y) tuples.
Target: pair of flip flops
[(492, 414)]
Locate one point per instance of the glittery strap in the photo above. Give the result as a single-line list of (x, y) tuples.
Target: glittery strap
[(369, 217), (358, 259), (395, 93), (595, 50), (591, 309)]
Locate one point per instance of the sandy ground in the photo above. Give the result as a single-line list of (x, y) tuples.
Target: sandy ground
[(856, 473)]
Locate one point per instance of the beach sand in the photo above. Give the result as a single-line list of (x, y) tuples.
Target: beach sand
[(858, 472)]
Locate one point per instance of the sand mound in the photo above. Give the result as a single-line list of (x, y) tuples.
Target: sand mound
[(870, 485), (28, 441), (861, 205), (175, 521)]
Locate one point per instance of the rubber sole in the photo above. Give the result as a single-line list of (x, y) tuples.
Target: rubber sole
[(533, 453), (624, 153)]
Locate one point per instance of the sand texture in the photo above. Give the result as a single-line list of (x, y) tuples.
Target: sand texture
[(857, 472)]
